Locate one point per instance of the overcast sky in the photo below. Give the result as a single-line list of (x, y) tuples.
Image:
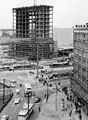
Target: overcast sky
[(66, 12)]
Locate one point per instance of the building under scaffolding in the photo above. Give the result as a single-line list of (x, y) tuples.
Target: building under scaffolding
[(33, 26)]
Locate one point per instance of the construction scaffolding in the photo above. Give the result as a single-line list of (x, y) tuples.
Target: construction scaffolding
[(36, 24)]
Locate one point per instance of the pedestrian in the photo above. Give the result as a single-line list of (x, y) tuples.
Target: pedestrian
[(71, 105), (80, 117), (39, 109), (79, 111), (70, 113), (45, 96), (66, 108)]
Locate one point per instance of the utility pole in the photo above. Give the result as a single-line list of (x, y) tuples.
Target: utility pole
[(56, 95), (3, 90), (28, 102), (47, 91), (36, 40), (37, 61)]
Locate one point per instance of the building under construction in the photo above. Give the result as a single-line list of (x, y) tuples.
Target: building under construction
[(33, 27)]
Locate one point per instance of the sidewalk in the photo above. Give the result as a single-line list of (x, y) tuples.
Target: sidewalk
[(48, 110)]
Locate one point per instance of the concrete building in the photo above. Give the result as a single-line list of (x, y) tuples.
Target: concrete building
[(33, 27), (80, 77)]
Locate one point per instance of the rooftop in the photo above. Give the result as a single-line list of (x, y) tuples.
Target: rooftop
[(27, 7), (81, 27)]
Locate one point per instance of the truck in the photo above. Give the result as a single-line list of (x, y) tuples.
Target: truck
[(27, 89)]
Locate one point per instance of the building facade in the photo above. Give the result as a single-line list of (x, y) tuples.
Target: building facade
[(80, 78)]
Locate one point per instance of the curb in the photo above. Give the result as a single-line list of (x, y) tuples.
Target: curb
[(6, 103)]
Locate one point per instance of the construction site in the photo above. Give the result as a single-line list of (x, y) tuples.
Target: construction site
[(33, 30)]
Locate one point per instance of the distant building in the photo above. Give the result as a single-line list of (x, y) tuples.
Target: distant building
[(80, 78)]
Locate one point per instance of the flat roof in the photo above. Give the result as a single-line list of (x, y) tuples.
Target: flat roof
[(29, 7)]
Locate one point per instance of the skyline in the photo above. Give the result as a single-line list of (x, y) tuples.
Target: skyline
[(66, 14)]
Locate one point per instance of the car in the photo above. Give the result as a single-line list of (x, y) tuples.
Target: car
[(37, 100), (5, 117), (31, 72), (17, 91), (42, 71), (50, 85), (13, 81), (13, 85), (63, 106), (48, 71), (17, 101)]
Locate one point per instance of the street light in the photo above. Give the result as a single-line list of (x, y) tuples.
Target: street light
[(56, 93), (56, 96), (3, 90), (37, 61), (10, 87), (29, 94), (46, 82)]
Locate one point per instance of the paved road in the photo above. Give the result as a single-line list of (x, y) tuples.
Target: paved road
[(21, 77), (12, 109)]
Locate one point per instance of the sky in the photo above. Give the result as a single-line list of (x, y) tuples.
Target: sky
[(66, 14)]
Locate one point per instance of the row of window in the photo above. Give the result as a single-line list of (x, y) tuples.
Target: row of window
[(80, 59), (80, 35), (81, 52), (80, 90)]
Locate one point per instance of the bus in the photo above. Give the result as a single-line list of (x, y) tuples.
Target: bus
[(24, 113)]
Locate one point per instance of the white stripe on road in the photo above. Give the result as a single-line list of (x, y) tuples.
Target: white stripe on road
[(22, 98), (12, 105)]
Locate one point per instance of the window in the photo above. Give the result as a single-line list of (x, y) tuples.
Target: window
[(84, 35)]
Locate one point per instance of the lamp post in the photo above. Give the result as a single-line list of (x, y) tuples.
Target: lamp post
[(47, 90), (56, 94), (10, 87), (29, 94), (46, 82), (3, 90), (37, 61)]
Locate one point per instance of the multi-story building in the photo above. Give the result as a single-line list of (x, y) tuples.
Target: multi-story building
[(80, 65), (34, 26)]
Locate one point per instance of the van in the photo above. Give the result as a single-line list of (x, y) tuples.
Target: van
[(27, 89)]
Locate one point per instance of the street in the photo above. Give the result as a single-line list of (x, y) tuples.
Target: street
[(13, 109)]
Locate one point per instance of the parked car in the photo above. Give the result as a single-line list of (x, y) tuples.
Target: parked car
[(17, 91), (37, 100), (63, 104), (48, 71), (17, 101), (5, 117), (13, 81), (13, 85)]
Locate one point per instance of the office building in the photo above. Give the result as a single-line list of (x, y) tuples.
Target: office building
[(80, 78)]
